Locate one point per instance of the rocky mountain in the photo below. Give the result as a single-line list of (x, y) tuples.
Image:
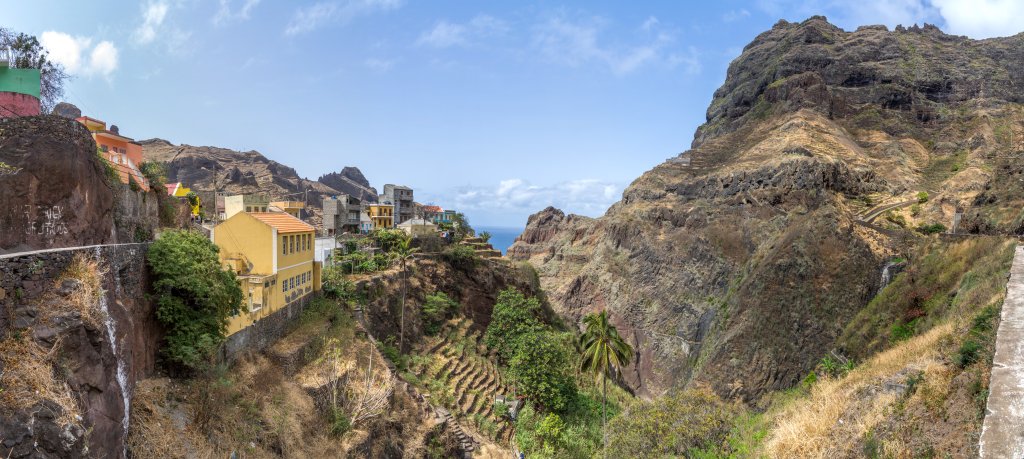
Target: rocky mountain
[(350, 181), (740, 262), (235, 172)]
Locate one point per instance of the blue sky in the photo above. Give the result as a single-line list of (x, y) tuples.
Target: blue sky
[(495, 108)]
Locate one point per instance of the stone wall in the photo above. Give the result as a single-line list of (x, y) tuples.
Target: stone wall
[(265, 332), (28, 285)]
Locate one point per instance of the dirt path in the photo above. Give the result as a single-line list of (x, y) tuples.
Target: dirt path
[(1002, 434)]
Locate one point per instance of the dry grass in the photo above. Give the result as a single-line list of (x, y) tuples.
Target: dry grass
[(839, 411), (85, 299), (154, 432), (28, 378)]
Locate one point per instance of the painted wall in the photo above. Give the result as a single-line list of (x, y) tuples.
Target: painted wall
[(16, 104), (245, 235)]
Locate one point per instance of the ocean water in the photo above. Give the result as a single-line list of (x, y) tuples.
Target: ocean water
[(501, 237)]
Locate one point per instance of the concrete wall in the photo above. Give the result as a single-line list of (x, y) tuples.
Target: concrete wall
[(267, 331)]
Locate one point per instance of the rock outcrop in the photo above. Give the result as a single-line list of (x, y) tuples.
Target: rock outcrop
[(739, 262), (53, 186), (351, 182)]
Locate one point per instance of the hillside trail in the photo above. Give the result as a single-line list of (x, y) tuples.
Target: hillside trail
[(1002, 434)]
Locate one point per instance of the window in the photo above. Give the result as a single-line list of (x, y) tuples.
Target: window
[(284, 245), (104, 148), (284, 287), (291, 244)]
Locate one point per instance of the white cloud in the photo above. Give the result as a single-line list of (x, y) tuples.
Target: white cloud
[(307, 19), (574, 43), (226, 16), (153, 16), (735, 15), (79, 56), (379, 65), (445, 34), (982, 18), (517, 196)]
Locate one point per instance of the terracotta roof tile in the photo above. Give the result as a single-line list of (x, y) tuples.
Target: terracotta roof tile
[(283, 222), (432, 209)]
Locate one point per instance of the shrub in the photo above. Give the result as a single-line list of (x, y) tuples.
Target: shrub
[(501, 409), (484, 236), (513, 316), (388, 239), (339, 422), (933, 228), (436, 309), (461, 256), (968, 353), (194, 297), (550, 431), (155, 173), (896, 218), (670, 426), (336, 285), (915, 210), (922, 197), (540, 367)]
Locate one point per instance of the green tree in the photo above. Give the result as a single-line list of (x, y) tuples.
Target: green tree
[(404, 251), (550, 431), (604, 355), (435, 310), (155, 172), (513, 316), (30, 54), (194, 297), (670, 426), (540, 368), (460, 226), (484, 236)]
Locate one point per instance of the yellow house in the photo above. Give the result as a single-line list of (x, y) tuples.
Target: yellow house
[(291, 207), (245, 203), (381, 215), (272, 254)]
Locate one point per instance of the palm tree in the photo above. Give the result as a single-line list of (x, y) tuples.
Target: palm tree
[(404, 252), (604, 355)]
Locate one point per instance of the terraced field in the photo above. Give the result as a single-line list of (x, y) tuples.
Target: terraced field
[(459, 373)]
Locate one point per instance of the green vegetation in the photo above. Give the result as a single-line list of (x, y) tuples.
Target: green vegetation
[(513, 317), (194, 297), (484, 236), (677, 425), (459, 227), (461, 256), (541, 368), (155, 172), (940, 281), (109, 172), (980, 337), (604, 355), (436, 309), (931, 228), (922, 197), (30, 54)]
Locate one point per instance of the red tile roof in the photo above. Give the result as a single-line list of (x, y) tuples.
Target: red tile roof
[(283, 222), (433, 209)]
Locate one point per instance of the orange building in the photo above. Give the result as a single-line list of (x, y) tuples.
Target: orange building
[(120, 151)]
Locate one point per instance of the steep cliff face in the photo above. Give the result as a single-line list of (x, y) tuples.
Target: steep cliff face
[(739, 262)]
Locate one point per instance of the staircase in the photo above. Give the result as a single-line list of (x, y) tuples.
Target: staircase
[(458, 359), (482, 249)]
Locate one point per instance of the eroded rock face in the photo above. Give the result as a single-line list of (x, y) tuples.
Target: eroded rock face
[(350, 181), (52, 186), (739, 263)]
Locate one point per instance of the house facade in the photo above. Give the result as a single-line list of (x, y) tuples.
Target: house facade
[(382, 215), (402, 199), (342, 214), (272, 253), (245, 203), (293, 208), (19, 88), (123, 153)]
